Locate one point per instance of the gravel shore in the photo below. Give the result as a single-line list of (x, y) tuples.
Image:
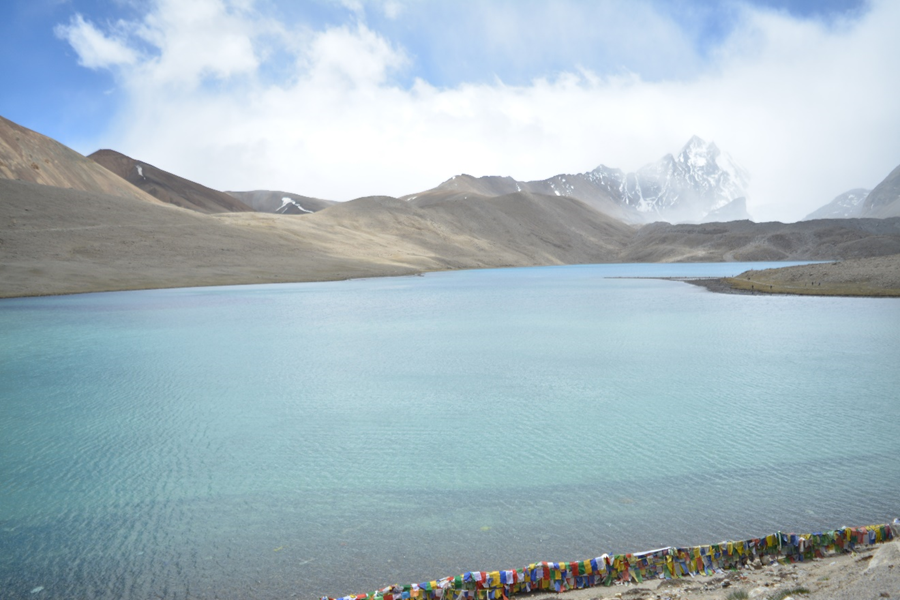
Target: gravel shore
[(871, 573), (877, 277)]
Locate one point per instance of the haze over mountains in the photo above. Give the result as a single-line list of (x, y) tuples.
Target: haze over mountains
[(690, 187), (68, 224), (882, 202), (848, 205)]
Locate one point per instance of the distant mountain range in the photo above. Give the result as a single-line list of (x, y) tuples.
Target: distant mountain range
[(879, 203), (699, 184), (69, 224)]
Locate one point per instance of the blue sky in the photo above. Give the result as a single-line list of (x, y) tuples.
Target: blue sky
[(342, 98)]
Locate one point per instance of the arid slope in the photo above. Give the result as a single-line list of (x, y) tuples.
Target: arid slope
[(26, 155), (58, 241), (166, 186)]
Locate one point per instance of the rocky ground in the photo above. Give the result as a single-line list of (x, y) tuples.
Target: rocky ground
[(872, 573), (876, 276)]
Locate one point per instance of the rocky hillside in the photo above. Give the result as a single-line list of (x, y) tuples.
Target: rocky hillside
[(747, 241), (26, 155), (166, 186)]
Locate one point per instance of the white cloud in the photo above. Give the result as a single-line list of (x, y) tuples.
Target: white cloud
[(95, 50), (807, 107), (197, 39), (353, 57)]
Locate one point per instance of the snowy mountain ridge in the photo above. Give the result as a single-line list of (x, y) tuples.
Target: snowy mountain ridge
[(688, 187)]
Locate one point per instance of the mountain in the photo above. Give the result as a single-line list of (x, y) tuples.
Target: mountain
[(465, 186), (884, 200), (509, 230), (846, 206), (63, 241), (687, 187), (282, 203), (822, 239), (26, 155), (167, 187), (55, 239), (881, 202)]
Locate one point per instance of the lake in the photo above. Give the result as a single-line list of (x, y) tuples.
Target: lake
[(296, 440)]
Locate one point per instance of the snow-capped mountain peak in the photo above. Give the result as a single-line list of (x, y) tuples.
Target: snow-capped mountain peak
[(686, 187)]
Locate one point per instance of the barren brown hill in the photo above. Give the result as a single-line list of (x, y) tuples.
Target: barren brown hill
[(63, 241), (166, 186), (512, 230), (26, 155), (57, 241), (825, 239)]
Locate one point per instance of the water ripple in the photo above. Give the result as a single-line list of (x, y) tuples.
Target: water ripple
[(300, 440)]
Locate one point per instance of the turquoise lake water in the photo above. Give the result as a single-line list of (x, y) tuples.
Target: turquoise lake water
[(295, 440)]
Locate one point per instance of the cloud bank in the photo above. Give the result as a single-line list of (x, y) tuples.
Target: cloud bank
[(237, 96)]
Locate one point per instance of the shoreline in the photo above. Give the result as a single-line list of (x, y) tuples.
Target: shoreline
[(731, 285), (852, 282), (871, 573), (874, 277), (856, 562), (713, 284)]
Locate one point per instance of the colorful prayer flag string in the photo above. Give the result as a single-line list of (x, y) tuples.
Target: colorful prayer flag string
[(607, 569)]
